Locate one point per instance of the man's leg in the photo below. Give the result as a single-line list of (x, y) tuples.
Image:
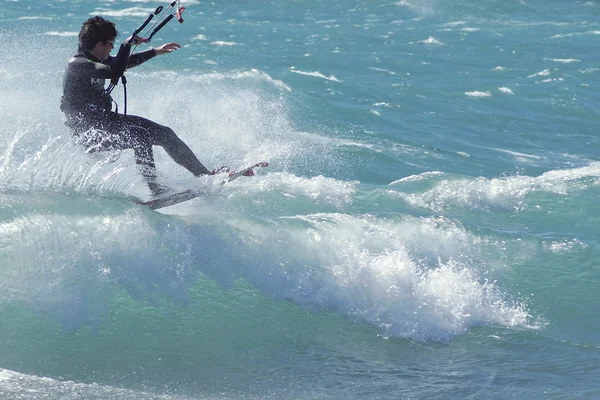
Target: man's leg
[(164, 136), (119, 132)]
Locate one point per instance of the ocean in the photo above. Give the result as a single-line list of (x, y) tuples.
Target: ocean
[(428, 227)]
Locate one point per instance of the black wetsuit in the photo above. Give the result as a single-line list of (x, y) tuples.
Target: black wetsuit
[(88, 110)]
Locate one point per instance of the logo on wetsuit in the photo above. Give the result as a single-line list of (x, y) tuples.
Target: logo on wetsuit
[(98, 84)]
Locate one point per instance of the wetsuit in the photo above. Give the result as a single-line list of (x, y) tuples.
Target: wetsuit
[(88, 110)]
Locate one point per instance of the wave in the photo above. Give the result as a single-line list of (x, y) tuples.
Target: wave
[(229, 280), (12, 384), (507, 192), (387, 273)]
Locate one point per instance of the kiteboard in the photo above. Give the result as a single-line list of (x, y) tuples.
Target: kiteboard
[(179, 197)]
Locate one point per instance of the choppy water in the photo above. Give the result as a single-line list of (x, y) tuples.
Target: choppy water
[(428, 227)]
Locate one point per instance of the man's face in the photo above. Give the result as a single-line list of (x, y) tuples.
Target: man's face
[(104, 49)]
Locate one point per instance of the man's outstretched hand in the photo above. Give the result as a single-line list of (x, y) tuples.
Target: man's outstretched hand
[(166, 48)]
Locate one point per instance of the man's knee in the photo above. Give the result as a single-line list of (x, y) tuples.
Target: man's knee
[(167, 137)]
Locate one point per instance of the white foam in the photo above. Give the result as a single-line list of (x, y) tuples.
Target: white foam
[(509, 192), (455, 23), (565, 246), (359, 144), (315, 74), (319, 189), (566, 35), (564, 60), (60, 164), (545, 72), (478, 94), (506, 90), (35, 17), (419, 177), (15, 385), (411, 277), (430, 41), (126, 12), (383, 70), (252, 74), (518, 155), (62, 34), (222, 43), (51, 279)]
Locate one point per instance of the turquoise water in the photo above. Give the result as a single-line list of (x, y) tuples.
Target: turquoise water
[(427, 228)]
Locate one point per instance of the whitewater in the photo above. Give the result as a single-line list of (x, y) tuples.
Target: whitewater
[(428, 227)]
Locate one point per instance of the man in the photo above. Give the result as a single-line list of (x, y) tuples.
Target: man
[(88, 105)]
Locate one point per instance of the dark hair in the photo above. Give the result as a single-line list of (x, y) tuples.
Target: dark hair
[(95, 30)]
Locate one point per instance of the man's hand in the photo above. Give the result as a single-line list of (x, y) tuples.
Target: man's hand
[(135, 40), (166, 48)]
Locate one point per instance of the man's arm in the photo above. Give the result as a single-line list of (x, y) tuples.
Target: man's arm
[(114, 67), (139, 58)]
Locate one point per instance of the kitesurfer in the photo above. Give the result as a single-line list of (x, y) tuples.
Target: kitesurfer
[(87, 105)]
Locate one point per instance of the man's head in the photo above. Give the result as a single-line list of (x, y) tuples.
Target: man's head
[(97, 36)]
